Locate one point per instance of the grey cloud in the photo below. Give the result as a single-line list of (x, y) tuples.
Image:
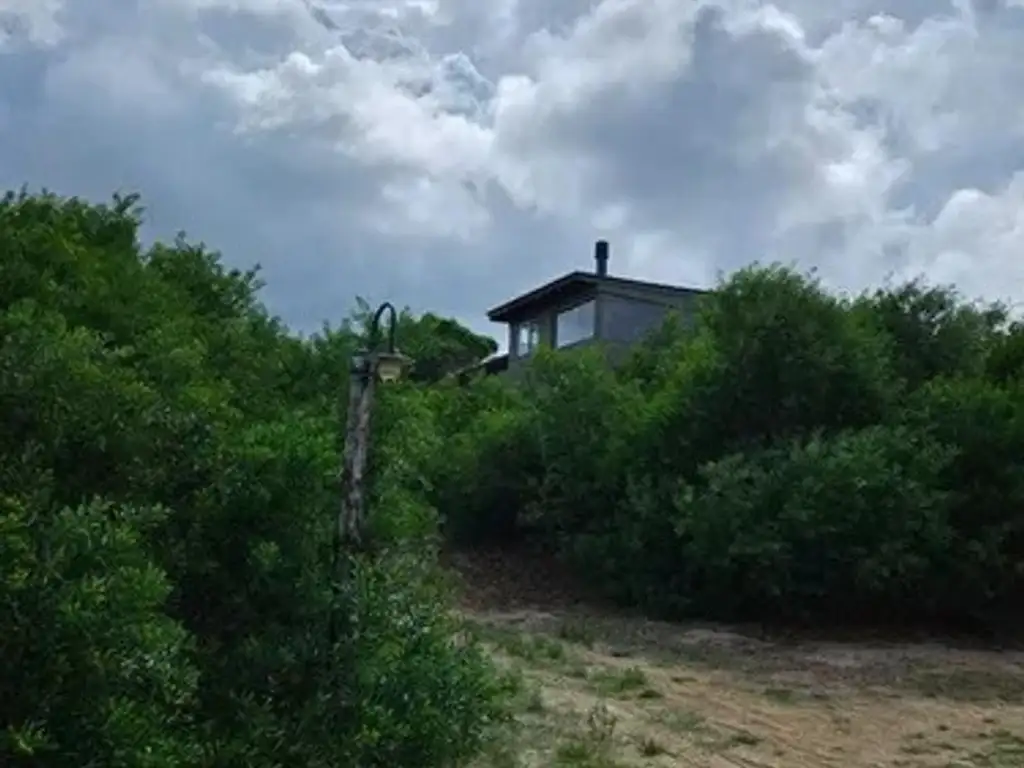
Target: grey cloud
[(680, 152), (702, 158)]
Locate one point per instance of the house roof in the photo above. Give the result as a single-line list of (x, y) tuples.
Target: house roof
[(572, 285)]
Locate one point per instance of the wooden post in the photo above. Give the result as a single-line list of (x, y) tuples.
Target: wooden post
[(350, 531), (349, 534), (352, 515)]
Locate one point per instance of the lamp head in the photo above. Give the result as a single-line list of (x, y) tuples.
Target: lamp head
[(390, 365)]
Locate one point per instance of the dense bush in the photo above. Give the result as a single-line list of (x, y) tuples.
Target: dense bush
[(168, 491), (792, 455), (95, 672), (823, 526), (486, 473)]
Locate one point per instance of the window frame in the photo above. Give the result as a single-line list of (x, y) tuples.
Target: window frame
[(592, 302), (532, 331)]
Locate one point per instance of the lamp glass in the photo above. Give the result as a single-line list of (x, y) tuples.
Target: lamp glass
[(390, 365)]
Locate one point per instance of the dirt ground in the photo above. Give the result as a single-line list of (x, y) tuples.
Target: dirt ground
[(602, 690)]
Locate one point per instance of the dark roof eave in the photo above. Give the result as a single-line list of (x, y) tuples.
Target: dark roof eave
[(522, 305)]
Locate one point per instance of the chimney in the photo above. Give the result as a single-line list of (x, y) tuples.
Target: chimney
[(601, 257)]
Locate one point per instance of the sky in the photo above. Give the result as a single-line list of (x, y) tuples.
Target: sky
[(450, 154)]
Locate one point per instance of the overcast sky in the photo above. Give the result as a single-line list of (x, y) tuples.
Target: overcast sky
[(449, 154)]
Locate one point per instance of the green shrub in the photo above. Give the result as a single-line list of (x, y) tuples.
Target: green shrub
[(792, 359), (95, 672), (428, 695), (581, 417), (1005, 360), (830, 527), (983, 423), (487, 471), (773, 357), (199, 634), (844, 526), (635, 554), (932, 330)]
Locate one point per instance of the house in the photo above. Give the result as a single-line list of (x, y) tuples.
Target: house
[(582, 308)]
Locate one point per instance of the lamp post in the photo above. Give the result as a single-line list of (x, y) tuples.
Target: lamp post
[(367, 366)]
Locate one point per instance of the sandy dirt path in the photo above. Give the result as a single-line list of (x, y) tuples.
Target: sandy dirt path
[(604, 690)]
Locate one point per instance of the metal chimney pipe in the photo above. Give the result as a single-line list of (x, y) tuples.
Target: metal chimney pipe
[(601, 258)]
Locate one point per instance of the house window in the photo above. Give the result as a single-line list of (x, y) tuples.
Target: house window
[(527, 338), (576, 324)]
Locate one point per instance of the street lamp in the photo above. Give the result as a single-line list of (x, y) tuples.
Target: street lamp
[(366, 368), (390, 367), (388, 364)]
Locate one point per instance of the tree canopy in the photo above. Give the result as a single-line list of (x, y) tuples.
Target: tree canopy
[(168, 486), (168, 461)]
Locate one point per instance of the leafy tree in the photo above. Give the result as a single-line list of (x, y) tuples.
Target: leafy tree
[(983, 423), (487, 473), (169, 465), (1005, 360), (95, 672), (933, 332), (849, 525)]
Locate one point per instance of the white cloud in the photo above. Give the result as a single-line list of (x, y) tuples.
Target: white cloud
[(30, 22), (976, 236), (449, 154)]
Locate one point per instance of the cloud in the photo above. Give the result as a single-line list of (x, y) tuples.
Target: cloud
[(30, 22), (448, 154)]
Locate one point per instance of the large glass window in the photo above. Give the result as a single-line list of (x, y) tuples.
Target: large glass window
[(576, 324), (527, 338), (629, 320)]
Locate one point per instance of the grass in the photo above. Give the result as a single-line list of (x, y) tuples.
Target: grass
[(1003, 749), (588, 700), (622, 682), (603, 690)]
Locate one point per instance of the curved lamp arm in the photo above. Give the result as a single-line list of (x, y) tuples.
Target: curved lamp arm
[(387, 306)]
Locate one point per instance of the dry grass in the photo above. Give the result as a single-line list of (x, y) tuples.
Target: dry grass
[(601, 691), (732, 701)]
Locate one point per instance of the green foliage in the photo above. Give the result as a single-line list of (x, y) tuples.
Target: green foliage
[(429, 693), (983, 422), (168, 466), (793, 455), (932, 330), (438, 345), (1005, 359), (168, 493), (485, 476), (790, 359), (579, 478), (829, 526), (95, 673)]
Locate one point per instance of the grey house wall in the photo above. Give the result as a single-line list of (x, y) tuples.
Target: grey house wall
[(626, 317), (623, 317), (627, 320)]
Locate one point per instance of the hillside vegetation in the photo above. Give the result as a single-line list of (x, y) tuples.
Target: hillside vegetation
[(800, 457), (168, 490)]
